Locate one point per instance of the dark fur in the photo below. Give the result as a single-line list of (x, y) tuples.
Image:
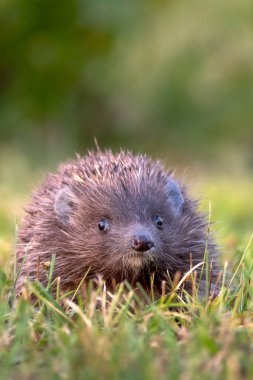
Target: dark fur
[(128, 190)]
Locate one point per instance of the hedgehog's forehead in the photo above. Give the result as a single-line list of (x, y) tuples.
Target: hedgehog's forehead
[(124, 195), (125, 188), (123, 181)]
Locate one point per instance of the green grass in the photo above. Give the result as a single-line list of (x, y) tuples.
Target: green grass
[(126, 335)]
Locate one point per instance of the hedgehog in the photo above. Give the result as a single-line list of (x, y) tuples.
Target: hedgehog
[(119, 216)]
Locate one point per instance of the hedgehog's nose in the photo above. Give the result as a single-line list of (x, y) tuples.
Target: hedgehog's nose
[(142, 243)]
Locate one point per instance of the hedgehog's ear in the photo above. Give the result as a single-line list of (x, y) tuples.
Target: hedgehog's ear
[(175, 195), (64, 203)]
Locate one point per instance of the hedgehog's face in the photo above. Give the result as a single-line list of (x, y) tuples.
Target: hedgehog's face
[(138, 242), (120, 230)]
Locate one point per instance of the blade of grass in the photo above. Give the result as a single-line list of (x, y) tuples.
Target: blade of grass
[(241, 261)]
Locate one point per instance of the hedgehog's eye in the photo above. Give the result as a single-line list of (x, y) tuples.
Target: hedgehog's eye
[(104, 225), (158, 221)]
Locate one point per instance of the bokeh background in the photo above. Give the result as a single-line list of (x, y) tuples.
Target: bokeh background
[(173, 79)]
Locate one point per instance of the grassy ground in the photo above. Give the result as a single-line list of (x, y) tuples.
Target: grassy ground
[(127, 336)]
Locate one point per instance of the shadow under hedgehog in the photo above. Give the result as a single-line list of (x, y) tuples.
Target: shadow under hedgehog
[(121, 216)]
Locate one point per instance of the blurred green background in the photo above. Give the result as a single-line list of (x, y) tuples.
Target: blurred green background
[(173, 79)]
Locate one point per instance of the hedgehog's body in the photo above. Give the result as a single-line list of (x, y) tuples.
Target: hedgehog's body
[(119, 216)]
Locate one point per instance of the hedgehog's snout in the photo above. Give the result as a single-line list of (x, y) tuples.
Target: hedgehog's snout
[(142, 242)]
